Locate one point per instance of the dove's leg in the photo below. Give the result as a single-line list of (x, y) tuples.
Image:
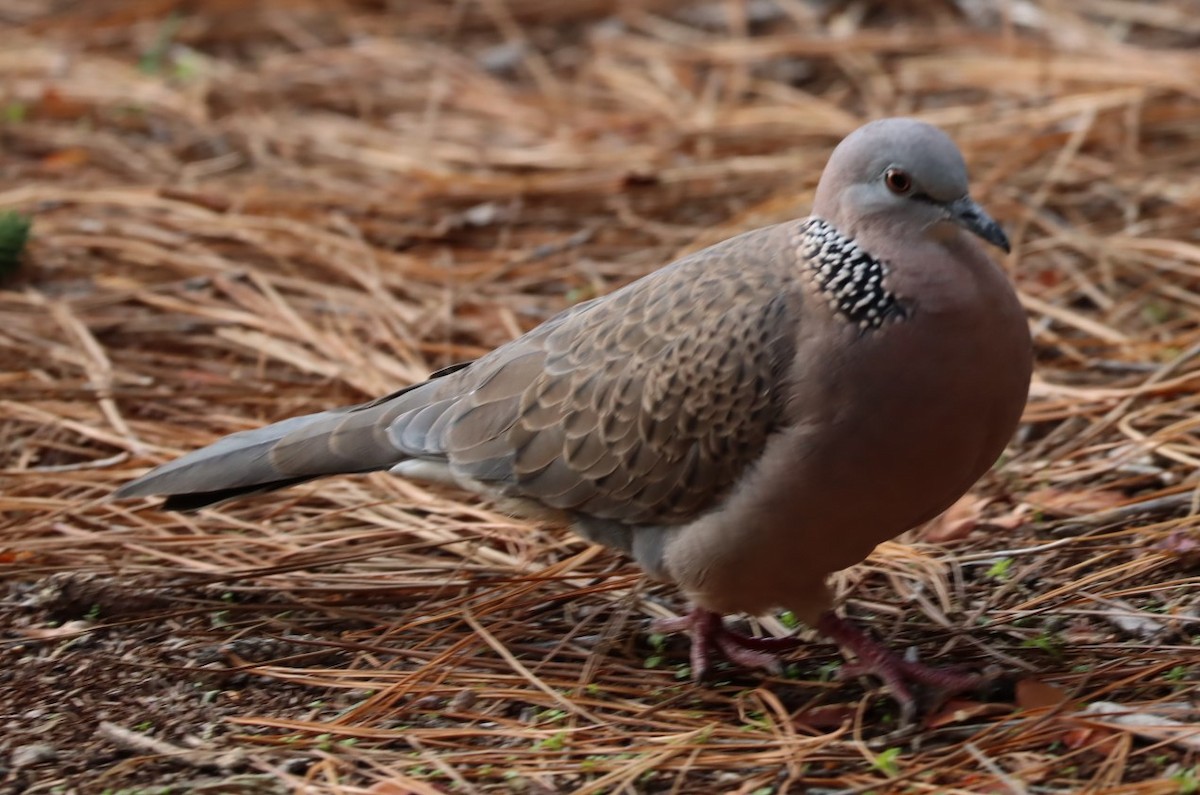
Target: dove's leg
[(712, 639), (896, 672)]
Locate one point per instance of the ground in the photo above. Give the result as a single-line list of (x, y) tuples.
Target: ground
[(243, 211)]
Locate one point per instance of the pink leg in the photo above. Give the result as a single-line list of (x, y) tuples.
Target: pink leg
[(896, 672), (711, 638)]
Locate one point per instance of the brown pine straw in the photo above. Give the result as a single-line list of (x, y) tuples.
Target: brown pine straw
[(291, 205)]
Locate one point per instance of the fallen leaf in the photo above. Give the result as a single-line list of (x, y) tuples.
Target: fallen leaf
[(66, 629), (1095, 738), (1048, 277), (1032, 694), (1018, 516), (1148, 725), (64, 159), (56, 106), (1183, 545), (1080, 631), (825, 717), (389, 788), (957, 521), (1131, 620), (957, 710), (1058, 502), (983, 785)]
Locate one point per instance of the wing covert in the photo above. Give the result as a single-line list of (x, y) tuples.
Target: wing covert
[(627, 408)]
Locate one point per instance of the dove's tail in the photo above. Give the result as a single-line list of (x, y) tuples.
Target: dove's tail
[(340, 441)]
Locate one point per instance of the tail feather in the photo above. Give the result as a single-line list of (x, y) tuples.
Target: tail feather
[(194, 501), (340, 441), (241, 463)]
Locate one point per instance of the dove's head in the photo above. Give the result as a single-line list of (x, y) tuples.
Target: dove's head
[(901, 177)]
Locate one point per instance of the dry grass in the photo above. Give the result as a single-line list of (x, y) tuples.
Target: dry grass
[(244, 211)]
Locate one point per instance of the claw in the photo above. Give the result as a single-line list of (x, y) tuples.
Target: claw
[(899, 674), (712, 639)]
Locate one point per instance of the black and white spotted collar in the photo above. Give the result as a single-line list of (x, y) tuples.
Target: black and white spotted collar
[(853, 281)]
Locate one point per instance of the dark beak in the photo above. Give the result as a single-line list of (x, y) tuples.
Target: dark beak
[(970, 216)]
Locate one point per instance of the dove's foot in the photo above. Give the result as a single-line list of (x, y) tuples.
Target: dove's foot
[(711, 639), (936, 685)]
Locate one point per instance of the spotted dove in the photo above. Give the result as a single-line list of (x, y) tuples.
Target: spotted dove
[(743, 422)]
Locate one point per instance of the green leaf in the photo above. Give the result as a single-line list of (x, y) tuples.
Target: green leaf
[(154, 59), (14, 234), (999, 569), (1048, 642), (1187, 780), (554, 742), (15, 112), (885, 761)]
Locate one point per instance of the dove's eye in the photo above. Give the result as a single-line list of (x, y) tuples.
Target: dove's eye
[(897, 180)]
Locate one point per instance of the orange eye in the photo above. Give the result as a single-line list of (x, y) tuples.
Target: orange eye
[(898, 181)]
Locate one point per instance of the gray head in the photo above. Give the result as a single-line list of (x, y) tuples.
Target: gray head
[(901, 176)]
